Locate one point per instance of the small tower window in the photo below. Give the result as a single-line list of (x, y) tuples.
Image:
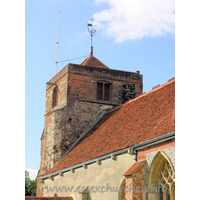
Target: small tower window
[(106, 92), (55, 97), (103, 91), (69, 121), (99, 91)]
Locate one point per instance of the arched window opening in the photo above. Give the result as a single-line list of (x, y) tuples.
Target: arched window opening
[(161, 176), (166, 182), (55, 97)]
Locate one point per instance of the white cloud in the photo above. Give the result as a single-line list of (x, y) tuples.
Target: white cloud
[(133, 19), (32, 173)]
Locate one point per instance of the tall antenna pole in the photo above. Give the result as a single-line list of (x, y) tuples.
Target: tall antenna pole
[(57, 41)]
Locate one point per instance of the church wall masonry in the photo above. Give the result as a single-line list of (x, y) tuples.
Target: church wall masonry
[(76, 107), (83, 83), (140, 177), (106, 175)]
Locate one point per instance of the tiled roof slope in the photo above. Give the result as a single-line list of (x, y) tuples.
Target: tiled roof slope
[(93, 62), (148, 116)]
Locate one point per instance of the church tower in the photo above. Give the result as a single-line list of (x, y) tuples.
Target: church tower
[(75, 98)]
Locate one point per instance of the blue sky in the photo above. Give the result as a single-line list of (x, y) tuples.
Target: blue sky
[(130, 36)]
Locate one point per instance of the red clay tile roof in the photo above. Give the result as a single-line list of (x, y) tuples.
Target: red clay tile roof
[(134, 168), (148, 116), (93, 62)]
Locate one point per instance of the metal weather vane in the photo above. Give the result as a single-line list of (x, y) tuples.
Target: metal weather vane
[(92, 31)]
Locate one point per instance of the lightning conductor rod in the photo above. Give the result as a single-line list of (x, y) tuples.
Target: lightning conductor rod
[(57, 41)]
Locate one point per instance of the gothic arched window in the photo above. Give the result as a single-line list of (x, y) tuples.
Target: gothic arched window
[(166, 182), (161, 178)]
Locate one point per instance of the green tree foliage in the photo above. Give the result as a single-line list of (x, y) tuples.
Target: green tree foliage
[(30, 185)]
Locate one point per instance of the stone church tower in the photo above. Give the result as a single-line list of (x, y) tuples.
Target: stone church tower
[(75, 99)]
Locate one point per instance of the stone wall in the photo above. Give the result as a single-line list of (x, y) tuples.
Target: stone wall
[(83, 83), (65, 126), (77, 106), (169, 150), (149, 154)]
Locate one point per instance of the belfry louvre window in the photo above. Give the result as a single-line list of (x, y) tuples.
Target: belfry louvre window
[(103, 91), (106, 92), (99, 91)]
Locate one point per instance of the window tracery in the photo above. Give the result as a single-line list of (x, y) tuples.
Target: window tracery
[(166, 182)]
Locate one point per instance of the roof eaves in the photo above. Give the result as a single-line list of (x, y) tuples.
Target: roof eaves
[(151, 142)]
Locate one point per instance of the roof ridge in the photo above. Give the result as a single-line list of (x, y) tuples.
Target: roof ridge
[(142, 95), (92, 61), (100, 61), (85, 60), (156, 88)]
